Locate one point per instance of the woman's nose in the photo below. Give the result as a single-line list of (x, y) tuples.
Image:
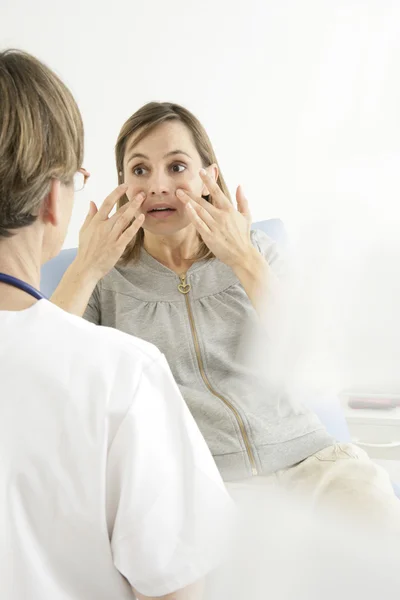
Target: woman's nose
[(159, 184)]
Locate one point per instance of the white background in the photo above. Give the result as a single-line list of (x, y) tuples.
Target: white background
[(301, 100)]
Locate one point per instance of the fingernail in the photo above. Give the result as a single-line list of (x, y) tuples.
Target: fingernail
[(141, 196), (124, 186), (180, 193), (203, 172)]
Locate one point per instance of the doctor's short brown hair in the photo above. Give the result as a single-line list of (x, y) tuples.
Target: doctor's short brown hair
[(41, 137)]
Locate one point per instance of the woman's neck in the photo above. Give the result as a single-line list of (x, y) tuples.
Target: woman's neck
[(175, 251)]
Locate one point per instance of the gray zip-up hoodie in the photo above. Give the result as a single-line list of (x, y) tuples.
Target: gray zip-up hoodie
[(202, 324)]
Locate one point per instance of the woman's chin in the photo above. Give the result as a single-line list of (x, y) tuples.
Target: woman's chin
[(163, 227)]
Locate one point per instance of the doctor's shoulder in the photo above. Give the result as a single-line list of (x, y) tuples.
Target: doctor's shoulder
[(107, 344)]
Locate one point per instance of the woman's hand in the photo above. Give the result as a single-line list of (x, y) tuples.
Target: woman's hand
[(103, 239), (225, 230)]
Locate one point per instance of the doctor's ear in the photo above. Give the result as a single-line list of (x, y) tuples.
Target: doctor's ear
[(50, 208)]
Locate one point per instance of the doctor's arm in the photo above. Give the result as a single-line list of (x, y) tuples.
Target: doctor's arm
[(169, 511), (191, 592)]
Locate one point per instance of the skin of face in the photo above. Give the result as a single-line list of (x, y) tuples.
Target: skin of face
[(161, 163)]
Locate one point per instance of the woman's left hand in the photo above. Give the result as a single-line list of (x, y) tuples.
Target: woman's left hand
[(225, 230)]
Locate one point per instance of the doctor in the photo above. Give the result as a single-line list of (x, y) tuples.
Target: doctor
[(105, 481)]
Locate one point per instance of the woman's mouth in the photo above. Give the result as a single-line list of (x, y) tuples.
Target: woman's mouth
[(161, 212)]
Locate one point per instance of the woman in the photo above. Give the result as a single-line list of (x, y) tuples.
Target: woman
[(80, 513), (195, 281)]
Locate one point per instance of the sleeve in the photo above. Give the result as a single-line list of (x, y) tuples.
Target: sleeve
[(92, 312), (273, 253), (168, 511)]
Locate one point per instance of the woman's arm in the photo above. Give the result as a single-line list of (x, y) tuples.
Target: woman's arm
[(259, 281), (102, 241), (75, 289)]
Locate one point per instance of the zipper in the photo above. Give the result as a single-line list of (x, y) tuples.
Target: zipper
[(184, 289)]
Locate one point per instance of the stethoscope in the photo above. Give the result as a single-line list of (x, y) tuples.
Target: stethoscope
[(21, 285)]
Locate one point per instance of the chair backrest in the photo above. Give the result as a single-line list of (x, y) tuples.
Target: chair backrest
[(274, 228), (52, 272)]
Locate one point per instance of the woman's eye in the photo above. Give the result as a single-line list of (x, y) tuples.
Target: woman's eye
[(178, 168), (138, 171)]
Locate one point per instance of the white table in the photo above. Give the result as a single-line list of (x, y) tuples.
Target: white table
[(376, 431)]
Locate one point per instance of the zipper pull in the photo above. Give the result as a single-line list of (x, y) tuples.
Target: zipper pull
[(184, 287)]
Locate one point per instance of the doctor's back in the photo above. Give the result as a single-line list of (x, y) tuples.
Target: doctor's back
[(106, 483)]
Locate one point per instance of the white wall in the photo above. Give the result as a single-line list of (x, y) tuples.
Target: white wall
[(301, 99)]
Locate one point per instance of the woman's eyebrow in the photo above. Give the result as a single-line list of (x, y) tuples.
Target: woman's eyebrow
[(177, 152), (144, 157), (137, 155)]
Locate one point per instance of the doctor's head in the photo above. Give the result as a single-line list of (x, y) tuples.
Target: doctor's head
[(41, 151)]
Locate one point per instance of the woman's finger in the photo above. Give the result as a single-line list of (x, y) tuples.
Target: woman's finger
[(219, 198), (197, 221), (204, 215), (242, 203), (111, 221), (186, 196), (126, 217), (136, 202), (130, 232), (111, 201), (92, 212)]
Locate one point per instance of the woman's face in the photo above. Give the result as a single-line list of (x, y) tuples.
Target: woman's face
[(163, 162)]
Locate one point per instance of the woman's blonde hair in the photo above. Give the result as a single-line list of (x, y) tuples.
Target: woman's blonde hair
[(41, 137), (140, 124)]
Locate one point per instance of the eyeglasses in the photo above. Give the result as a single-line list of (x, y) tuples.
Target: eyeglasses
[(80, 179)]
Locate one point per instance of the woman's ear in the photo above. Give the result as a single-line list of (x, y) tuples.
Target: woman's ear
[(50, 209), (213, 172)]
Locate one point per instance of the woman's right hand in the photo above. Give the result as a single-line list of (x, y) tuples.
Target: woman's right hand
[(103, 239)]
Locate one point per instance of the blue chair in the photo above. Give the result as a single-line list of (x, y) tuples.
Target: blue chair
[(274, 228), (53, 271), (328, 409)]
